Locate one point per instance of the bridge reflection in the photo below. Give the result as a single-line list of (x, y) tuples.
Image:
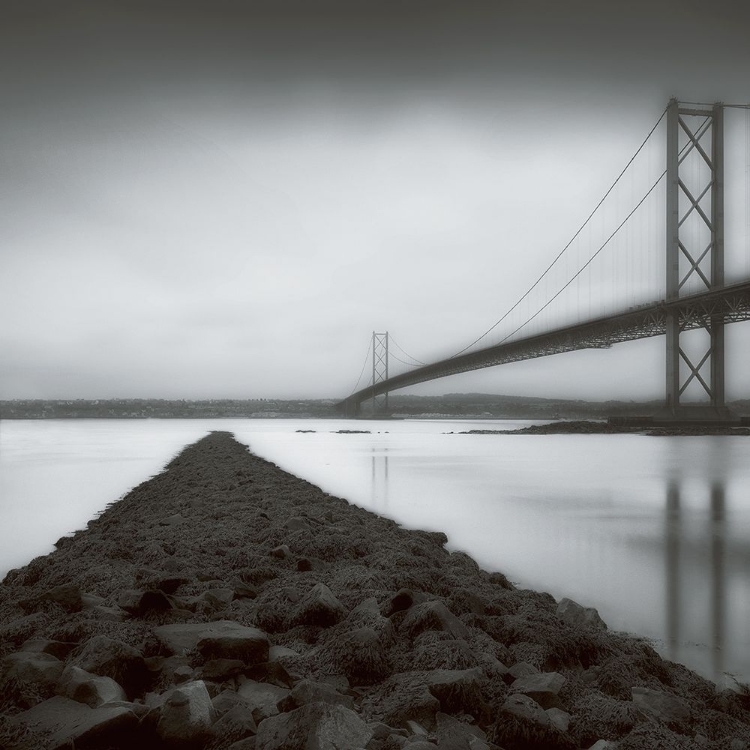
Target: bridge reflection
[(674, 539), (379, 483)]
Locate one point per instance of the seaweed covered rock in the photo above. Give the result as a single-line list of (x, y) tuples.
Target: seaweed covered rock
[(322, 726)]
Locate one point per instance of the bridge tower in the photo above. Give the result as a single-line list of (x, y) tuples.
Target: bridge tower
[(379, 369), (694, 253)]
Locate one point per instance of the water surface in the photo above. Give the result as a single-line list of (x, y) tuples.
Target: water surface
[(654, 532)]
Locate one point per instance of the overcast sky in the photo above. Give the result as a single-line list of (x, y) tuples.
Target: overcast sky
[(224, 199)]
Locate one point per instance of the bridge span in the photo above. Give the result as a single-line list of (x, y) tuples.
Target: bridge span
[(709, 309)]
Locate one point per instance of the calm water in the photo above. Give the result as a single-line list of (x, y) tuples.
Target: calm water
[(654, 532)]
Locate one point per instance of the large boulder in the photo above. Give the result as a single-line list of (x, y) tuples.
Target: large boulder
[(68, 596), (543, 687), (262, 698), (433, 615), (111, 658), (458, 690), (64, 723), (31, 667), (578, 616), (308, 691), (235, 724), (319, 607), (186, 716), (315, 726), (662, 706), (222, 639), (84, 687)]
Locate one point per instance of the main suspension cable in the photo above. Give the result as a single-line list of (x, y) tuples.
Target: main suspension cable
[(573, 238), (364, 364)]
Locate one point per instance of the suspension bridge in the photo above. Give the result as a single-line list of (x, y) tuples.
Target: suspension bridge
[(649, 260)]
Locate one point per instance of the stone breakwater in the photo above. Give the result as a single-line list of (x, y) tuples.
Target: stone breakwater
[(227, 604)]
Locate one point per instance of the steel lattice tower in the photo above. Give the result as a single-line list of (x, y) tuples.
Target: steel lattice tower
[(695, 251), (379, 369)]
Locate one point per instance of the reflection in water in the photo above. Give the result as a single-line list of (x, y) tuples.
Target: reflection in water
[(379, 479), (672, 537), (672, 548), (717, 559)]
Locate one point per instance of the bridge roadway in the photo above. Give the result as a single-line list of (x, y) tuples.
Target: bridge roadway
[(730, 304)]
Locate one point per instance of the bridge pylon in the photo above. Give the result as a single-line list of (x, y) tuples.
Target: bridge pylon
[(379, 370), (695, 258)]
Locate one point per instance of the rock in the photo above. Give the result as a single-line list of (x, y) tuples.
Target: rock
[(559, 718), (457, 735), (458, 690), (297, 523), (186, 716), (68, 596), (110, 658), (84, 687), (663, 706), (219, 670), (173, 520), (182, 674), (319, 607), (577, 616), (303, 565), (404, 696), (220, 639), (236, 724), (603, 745), (543, 688), (219, 598), (262, 698), (227, 700), (72, 724), (58, 649), (109, 614), (400, 601), (523, 707), (90, 601), (272, 672), (276, 653), (522, 669), (433, 615), (318, 726), (245, 591), (140, 603), (307, 691), (360, 654), (31, 667), (282, 552), (415, 728), (247, 744)]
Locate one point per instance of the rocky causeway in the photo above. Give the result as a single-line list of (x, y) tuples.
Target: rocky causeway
[(226, 604)]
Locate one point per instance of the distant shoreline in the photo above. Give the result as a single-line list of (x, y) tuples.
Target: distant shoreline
[(475, 406)]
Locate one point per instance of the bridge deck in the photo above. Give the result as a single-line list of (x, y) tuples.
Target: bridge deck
[(729, 304)]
